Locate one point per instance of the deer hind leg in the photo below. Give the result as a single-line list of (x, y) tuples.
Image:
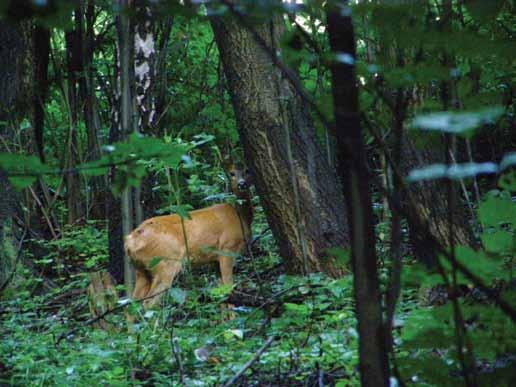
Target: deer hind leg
[(226, 265), (142, 285), (162, 278)]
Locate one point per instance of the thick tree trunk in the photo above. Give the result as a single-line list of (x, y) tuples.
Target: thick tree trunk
[(15, 63), (430, 201), (16, 90), (352, 164), (297, 187)]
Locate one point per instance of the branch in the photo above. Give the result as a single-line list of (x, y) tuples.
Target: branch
[(16, 260), (256, 356), (104, 314), (419, 224)]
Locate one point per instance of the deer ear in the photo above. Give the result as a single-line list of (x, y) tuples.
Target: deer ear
[(227, 161)]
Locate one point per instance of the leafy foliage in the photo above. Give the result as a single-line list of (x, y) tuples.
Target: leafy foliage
[(455, 76)]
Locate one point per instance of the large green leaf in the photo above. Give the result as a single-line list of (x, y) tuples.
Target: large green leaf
[(497, 209), (498, 242), (21, 169), (456, 123), (454, 172)]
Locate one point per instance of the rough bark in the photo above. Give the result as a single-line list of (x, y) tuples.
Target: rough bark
[(102, 297), (352, 166), (297, 187), (15, 57), (430, 201), (15, 98)]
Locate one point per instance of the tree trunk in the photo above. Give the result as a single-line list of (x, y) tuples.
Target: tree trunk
[(74, 69), (352, 165), (16, 91), (125, 44), (298, 189), (102, 297), (7, 210), (87, 85), (15, 77), (144, 67), (41, 41), (430, 201)]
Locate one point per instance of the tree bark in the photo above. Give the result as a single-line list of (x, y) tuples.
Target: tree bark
[(74, 72), (16, 91), (91, 113), (7, 210), (298, 189), (352, 166), (15, 62), (41, 41), (144, 66), (125, 43), (430, 202)]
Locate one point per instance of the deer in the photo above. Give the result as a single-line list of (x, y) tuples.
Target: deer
[(218, 233)]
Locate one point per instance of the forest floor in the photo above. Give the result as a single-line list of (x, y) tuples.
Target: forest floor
[(303, 327)]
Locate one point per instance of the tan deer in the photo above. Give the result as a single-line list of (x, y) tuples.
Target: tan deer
[(213, 234)]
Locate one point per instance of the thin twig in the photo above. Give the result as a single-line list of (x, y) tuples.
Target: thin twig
[(16, 260), (104, 314), (420, 224), (255, 358)]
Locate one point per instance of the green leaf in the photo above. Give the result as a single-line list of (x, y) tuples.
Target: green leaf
[(95, 168), (154, 262), (428, 328), (454, 172), (508, 161), (221, 291), (497, 209), (298, 309), (182, 210), (498, 241), (343, 255), (507, 180), (457, 123), (22, 182), (211, 250), (485, 267), (22, 170), (177, 295)]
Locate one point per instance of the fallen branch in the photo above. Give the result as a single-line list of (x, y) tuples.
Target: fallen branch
[(104, 314), (255, 358)]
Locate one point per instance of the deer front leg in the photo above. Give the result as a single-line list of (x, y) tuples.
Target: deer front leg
[(162, 278), (226, 265), (142, 285)]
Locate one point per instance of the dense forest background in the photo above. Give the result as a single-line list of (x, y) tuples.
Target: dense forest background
[(380, 137)]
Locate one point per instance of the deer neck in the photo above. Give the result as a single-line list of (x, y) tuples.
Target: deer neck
[(245, 211)]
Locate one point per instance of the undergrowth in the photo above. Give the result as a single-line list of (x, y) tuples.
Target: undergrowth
[(47, 340)]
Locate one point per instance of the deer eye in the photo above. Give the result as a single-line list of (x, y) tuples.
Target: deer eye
[(232, 174)]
